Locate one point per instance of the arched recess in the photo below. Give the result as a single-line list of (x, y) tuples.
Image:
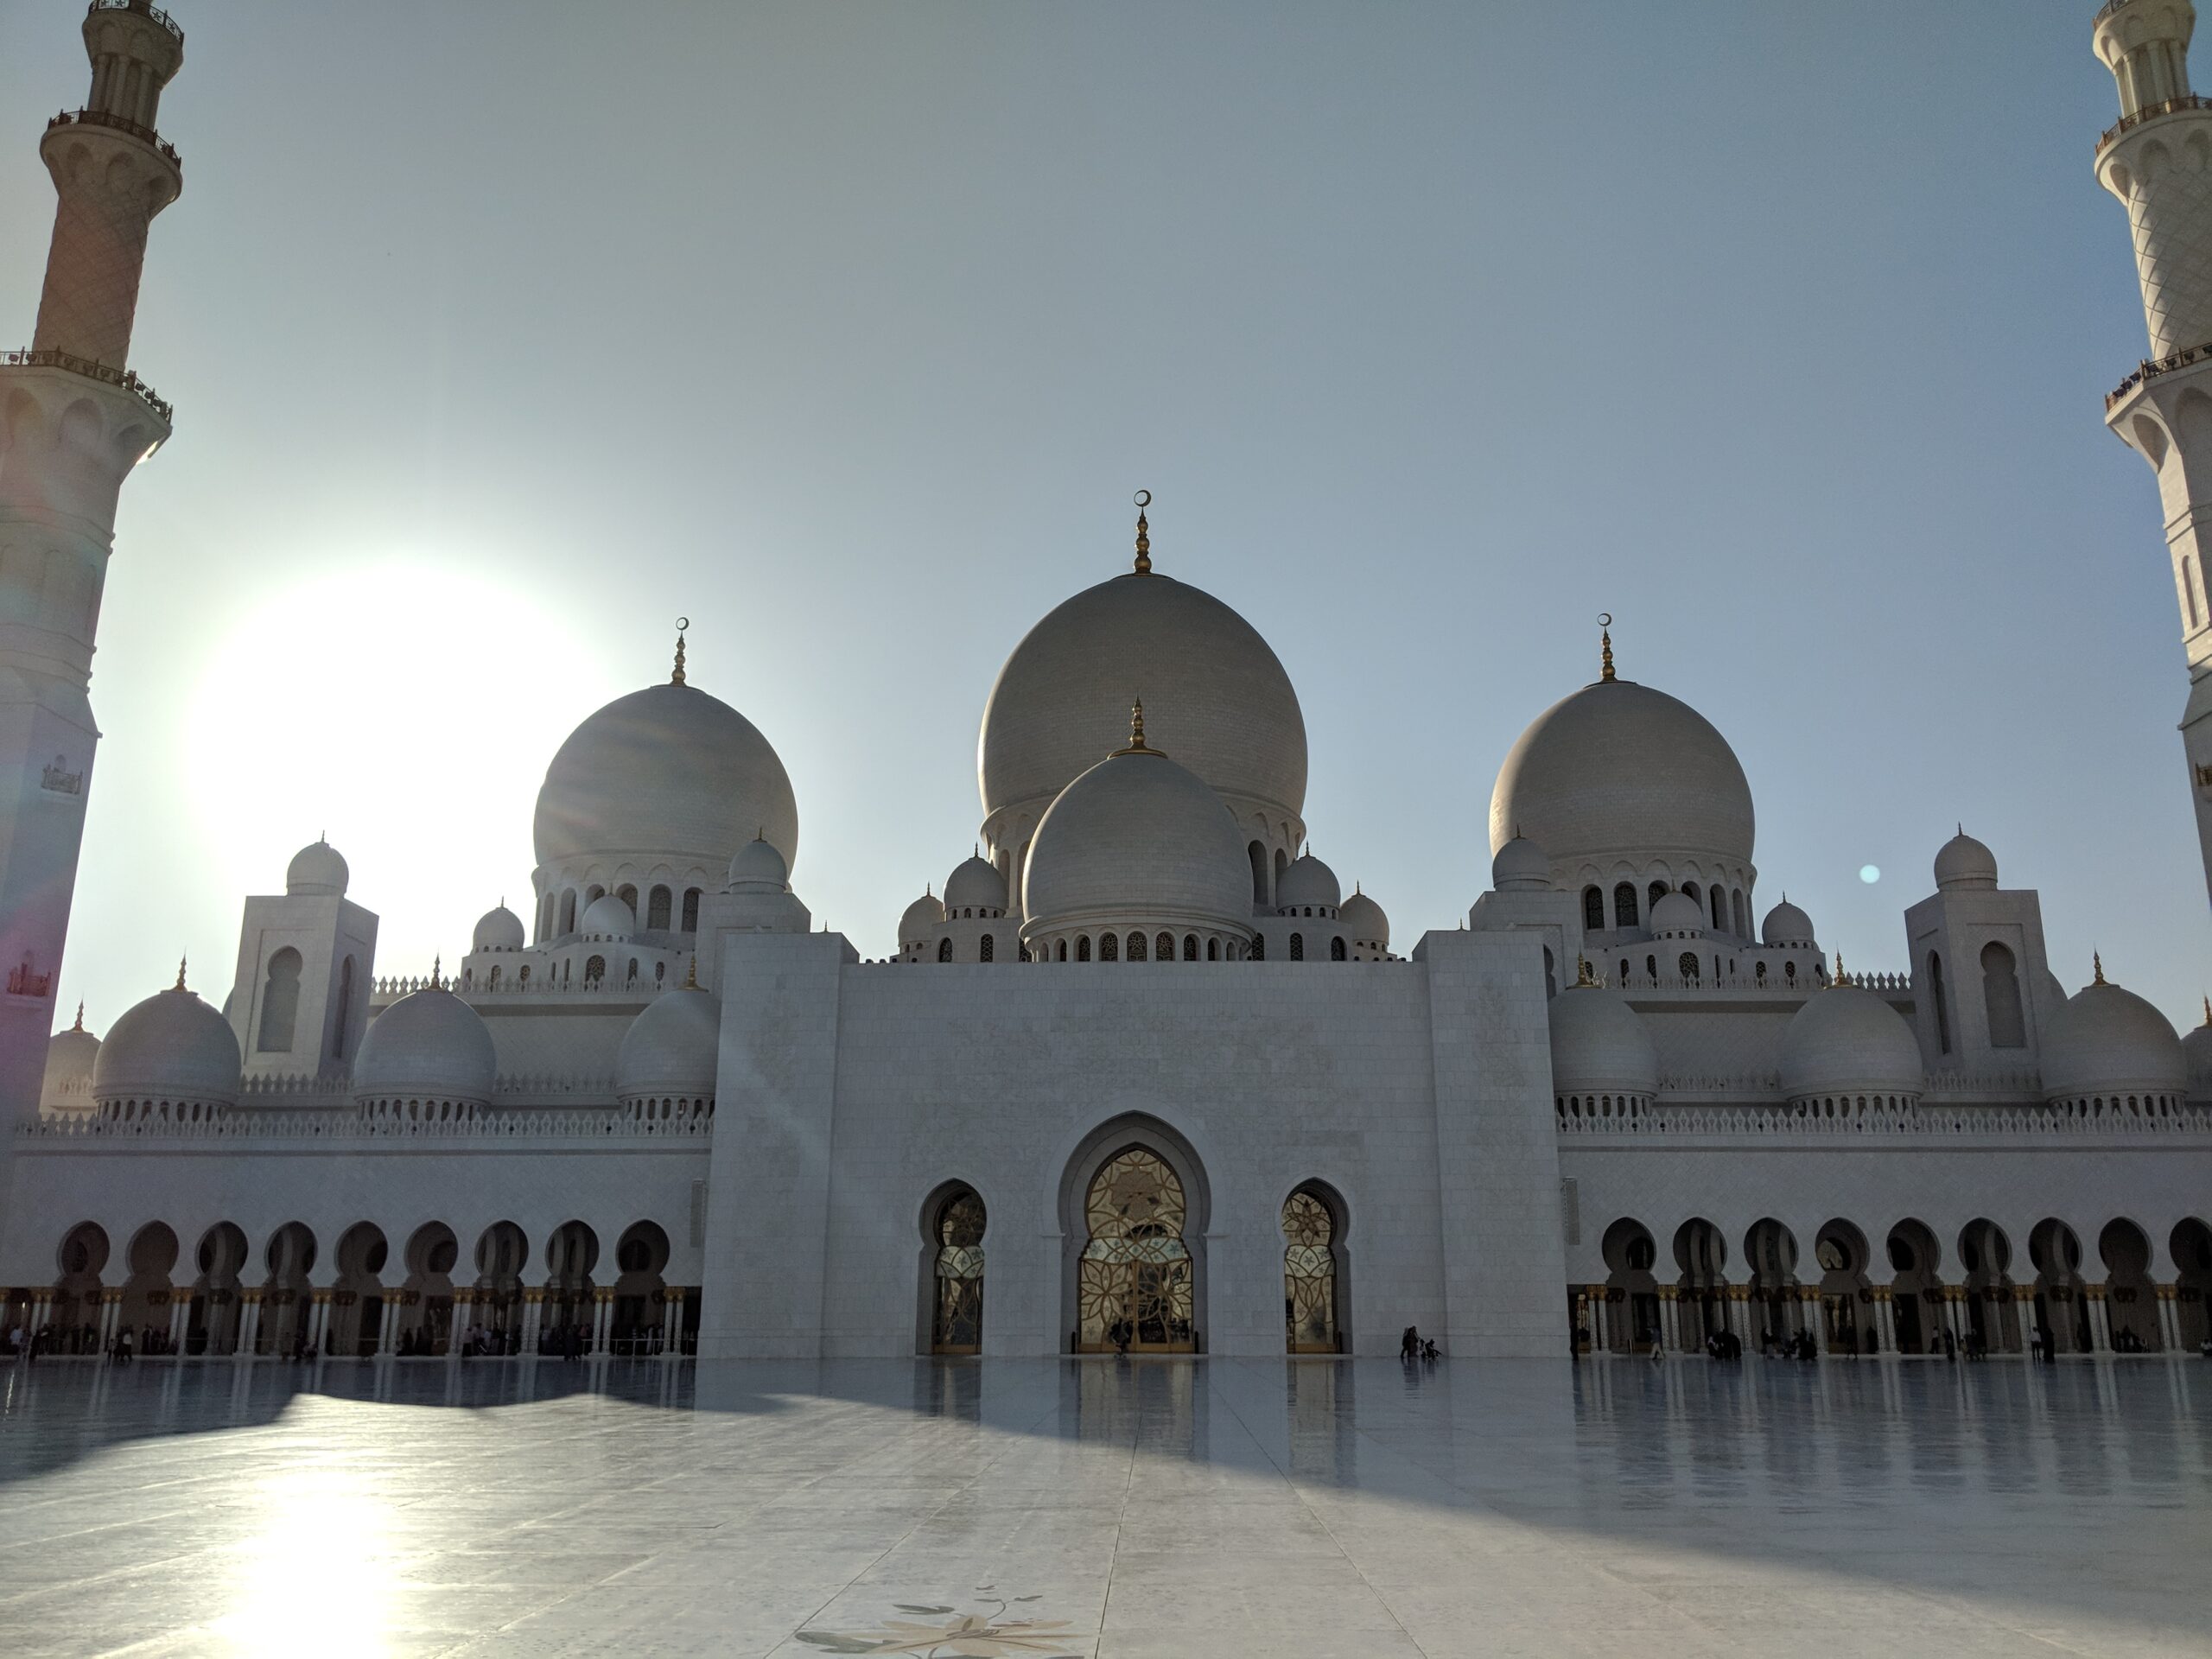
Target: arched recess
[(1847, 1295), (1916, 1291), (1701, 1290), (570, 1255), (502, 1252), (1986, 1259), (2001, 996), (2131, 1298), (1631, 1293), (146, 1293), (280, 1003), (950, 1279), (1316, 1270), (2061, 1301), (1134, 1205), (1770, 1257), (211, 1328), (76, 1311), (640, 1308), (357, 1302), (426, 1300), (2191, 1245), (286, 1298)]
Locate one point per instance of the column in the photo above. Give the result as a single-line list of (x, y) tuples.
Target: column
[(180, 1316), (42, 1306), (2168, 1319), (111, 1315), (533, 1310), (1886, 1319), (1808, 1310), (2099, 1319), (464, 1315), (603, 1332), (249, 1323), (1598, 1334), (2024, 1308), (1669, 1320), (317, 1317)]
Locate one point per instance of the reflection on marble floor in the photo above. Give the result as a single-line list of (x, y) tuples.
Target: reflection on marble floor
[(1105, 1510)]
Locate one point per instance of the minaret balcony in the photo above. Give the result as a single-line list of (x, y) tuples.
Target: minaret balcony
[(157, 14), (102, 118), (2127, 124), (106, 374)]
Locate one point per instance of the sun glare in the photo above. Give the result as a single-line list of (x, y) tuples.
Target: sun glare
[(405, 710)]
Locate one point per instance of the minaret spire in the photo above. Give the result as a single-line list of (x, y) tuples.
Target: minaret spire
[(1144, 535)]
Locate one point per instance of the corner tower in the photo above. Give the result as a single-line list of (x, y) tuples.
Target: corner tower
[(75, 420), (2157, 158)]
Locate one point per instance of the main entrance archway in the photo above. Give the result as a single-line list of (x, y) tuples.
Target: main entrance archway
[(1134, 1286)]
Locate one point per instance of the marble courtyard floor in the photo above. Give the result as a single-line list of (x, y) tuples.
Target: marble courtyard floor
[(1216, 1508)]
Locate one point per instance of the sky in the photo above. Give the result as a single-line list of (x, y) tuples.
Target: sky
[(502, 334)]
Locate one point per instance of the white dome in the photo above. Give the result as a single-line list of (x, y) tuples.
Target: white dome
[(1519, 866), (1599, 1046), (498, 929), (1676, 912), (921, 919), (974, 885), (665, 772), (607, 917), (758, 864), (315, 869), (2105, 1040), (1847, 1040), (1222, 705), (1137, 837), (1308, 880), (1619, 771), (1365, 920), (1786, 924), (171, 1046), (1962, 861), (673, 1048), (428, 1045)]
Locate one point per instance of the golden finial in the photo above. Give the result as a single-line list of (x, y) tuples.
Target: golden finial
[(683, 623), (79, 1025), (437, 962), (1841, 977), (1136, 731), (1605, 646), (180, 973), (2208, 1011), (1584, 979), (2097, 962), (1144, 535), (691, 972)]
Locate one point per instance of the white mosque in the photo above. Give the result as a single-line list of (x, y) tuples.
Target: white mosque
[(1140, 1074)]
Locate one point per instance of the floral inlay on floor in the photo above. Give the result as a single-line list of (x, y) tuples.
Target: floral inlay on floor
[(944, 1633)]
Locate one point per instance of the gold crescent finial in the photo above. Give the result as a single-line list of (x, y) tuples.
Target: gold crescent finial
[(2097, 963), (1136, 732), (1605, 646), (79, 1025), (2208, 1011), (682, 626), (1144, 534), (1841, 977), (437, 962), (1584, 979), (180, 973), (691, 972)]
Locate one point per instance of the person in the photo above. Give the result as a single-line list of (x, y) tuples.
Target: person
[(1658, 1353), (1428, 1350), (1122, 1337), (123, 1346), (1950, 1346), (1409, 1344)]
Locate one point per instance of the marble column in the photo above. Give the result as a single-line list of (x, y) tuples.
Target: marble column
[(2168, 1319), (464, 1315), (2099, 1319), (533, 1310), (180, 1316), (1885, 1321), (111, 1315), (249, 1323), (1598, 1343), (1670, 1320), (1809, 1309), (42, 1307), (317, 1317)]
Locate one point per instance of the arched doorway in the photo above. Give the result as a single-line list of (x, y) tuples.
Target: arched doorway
[(426, 1314), (2191, 1243), (570, 1255), (76, 1317), (1986, 1256), (1916, 1293), (286, 1297), (1770, 1253), (1134, 1286), (1701, 1292), (145, 1312), (501, 1253), (1313, 1307), (2061, 1299), (213, 1326), (640, 1259), (1631, 1293), (957, 1272), (2130, 1299), (357, 1309), (1846, 1294)]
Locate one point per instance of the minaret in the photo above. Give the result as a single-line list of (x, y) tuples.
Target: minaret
[(2157, 160), (73, 422)]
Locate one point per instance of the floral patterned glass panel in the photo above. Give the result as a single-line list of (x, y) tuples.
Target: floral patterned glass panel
[(1133, 1284), (958, 1327), (1309, 1276)]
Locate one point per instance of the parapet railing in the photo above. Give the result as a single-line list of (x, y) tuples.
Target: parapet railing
[(337, 1087), (1922, 1123), (92, 369), (120, 123), (1774, 985), (585, 1123), (2151, 369), (2149, 113), (155, 14)]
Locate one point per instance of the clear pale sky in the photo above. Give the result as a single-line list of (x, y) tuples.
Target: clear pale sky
[(502, 333)]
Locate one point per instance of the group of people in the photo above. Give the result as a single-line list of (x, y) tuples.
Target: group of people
[(1802, 1345), (1413, 1345)]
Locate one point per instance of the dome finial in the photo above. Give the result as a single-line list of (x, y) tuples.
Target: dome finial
[(1584, 979), (1144, 535), (2208, 1011), (79, 1025), (1606, 647), (691, 972), (180, 973), (683, 624), (1136, 731), (2097, 965), (437, 962), (1841, 978)]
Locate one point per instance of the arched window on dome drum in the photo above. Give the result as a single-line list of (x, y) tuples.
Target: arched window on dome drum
[(690, 910), (568, 910), (344, 1022), (1651, 969), (1551, 970), (594, 970), (545, 918), (1719, 911), (1941, 1001), (1163, 948), (658, 904), (2000, 994), (1190, 947), (1688, 964), (1758, 973), (1259, 856), (632, 977), (1625, 909), (1213, 950), (523, 978), (1593, 909), (1689, 892), (1741, 913), (1337, 951), (1137, 947), (493, 982), (1061, 953), (1657, 891), (1623, 979), (1309, 1275), (1259, 947), (280, 1003), (1298, 947), (1790, 972), (987, 948), (945, 949), (1132, 1284), (957, 1324), (1022, 951), (628, 895), (593, 894), (1109, 947)]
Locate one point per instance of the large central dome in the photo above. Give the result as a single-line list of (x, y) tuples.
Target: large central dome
[(1221, 705), (667, 771)]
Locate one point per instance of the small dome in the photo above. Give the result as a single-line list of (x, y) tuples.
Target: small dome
[(1135, 837), (607, 917), (1365, 920), (1308, 881), (1965, 862), (974, 885), (1847, 1040), (316, 869), (70, 1057), (498, 929), (1599, 1046), (429, 1045), (921, 919), (1676, 912), (1519, 866), (1786, 924), (171, 1046), (2105, 1040), (758, 864), (673, 1048)]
